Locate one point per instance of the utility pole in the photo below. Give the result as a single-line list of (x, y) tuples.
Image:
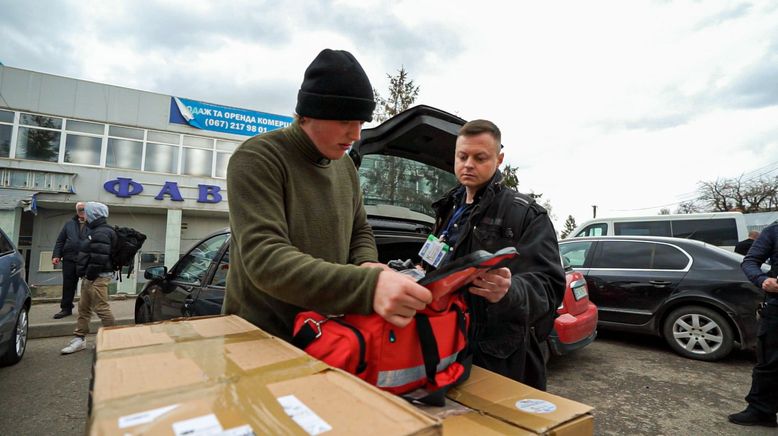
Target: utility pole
[(594, 211)]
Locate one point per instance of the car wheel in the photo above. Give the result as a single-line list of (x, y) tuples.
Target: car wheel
[(698, 333), (143, 311), (18, 343)]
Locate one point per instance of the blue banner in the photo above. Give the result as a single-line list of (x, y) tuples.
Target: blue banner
[(207, 116)]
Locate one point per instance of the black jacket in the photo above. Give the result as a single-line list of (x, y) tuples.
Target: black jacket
[(94, 256), (743, 246), (506, 336), (69, 240)]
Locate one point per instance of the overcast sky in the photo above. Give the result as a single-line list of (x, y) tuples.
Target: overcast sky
[(626, 105)]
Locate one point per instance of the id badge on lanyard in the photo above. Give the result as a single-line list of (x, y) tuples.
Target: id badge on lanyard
[(434, 251)]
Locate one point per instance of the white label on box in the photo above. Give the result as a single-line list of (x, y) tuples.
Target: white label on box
[(535, 406), (243, 430), (303, 416), (205, 425), (144, 417)]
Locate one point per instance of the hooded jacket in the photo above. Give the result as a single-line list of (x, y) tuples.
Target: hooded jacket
[(94, 256), (505, 336), (69, 240)]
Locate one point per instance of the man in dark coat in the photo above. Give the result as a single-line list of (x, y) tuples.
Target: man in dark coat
[(743, 246), (513, 309), (763, 397), (96, 269), (65, 252)]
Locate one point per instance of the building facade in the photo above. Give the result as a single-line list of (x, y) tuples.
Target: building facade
[(159, 162)]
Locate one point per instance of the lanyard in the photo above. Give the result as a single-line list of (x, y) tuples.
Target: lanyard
[(454, 218)]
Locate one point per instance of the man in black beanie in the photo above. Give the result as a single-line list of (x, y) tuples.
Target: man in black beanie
[(300, 238)]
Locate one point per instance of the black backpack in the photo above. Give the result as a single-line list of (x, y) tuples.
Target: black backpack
[(128, 242)]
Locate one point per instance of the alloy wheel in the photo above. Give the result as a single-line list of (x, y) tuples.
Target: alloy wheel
[(21, 333), (698, 334)]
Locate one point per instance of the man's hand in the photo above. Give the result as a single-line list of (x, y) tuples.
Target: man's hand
[(492, 285), (55, 261), (398, 297), (770, 285), (383, 266)]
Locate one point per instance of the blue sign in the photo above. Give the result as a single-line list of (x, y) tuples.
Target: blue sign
[(225, 119), (124, 187)]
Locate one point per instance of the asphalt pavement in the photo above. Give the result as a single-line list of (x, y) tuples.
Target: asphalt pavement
[(43, 325)]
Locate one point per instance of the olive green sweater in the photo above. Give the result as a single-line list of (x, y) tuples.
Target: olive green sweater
[(299, 229)]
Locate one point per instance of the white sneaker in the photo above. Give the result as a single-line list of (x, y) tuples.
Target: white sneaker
[(76, 344)]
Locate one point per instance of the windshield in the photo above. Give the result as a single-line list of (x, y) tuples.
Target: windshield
[(403, 182)]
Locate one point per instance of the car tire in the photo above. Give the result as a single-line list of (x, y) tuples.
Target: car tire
[(16, 347), (143, 311), (698, 333)]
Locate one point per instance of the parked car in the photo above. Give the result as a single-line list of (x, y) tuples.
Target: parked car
[(691, 293), (195, 285), (576, 324), (15, 301)]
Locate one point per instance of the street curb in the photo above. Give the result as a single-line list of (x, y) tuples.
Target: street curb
[(113, 297), (54, 329)]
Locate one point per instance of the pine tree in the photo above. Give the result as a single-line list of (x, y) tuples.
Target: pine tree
[(569, 227)]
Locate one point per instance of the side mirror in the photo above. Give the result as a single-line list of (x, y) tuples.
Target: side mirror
[(155, 272)]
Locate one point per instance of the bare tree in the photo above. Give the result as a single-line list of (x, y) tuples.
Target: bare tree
[(664, 211), (690, 206), (743, 194)]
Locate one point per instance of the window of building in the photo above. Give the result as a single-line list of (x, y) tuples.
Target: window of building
[(5, 132), (164, 137), (198, 141), (83, 150), (125, 132), (38, 144), (196, 162), (222, 159), (161, 158), (124, 153), (85, 127), (226, 145)]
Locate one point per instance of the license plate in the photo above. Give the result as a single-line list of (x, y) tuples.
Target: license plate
[(579, 292)]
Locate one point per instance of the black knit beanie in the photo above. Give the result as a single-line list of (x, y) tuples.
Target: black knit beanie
[(335, 87)]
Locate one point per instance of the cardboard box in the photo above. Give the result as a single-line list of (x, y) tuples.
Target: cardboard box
[(498, 402), (222, 375)]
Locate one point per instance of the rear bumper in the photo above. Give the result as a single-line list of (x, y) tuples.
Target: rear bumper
[(559, 348), (572, 332)]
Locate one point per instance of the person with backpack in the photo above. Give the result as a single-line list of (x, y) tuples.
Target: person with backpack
[(512, 309), (95, 268)]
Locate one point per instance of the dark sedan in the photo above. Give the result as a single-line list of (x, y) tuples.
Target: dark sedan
[(691, 293), (15, 301)]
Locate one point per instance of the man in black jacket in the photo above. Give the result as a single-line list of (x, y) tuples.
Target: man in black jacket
[(513, 309), (66, 252), (743, 246), (96, 269), (763, 397)]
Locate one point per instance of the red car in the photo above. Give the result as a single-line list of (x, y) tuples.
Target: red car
[(576, 325)]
